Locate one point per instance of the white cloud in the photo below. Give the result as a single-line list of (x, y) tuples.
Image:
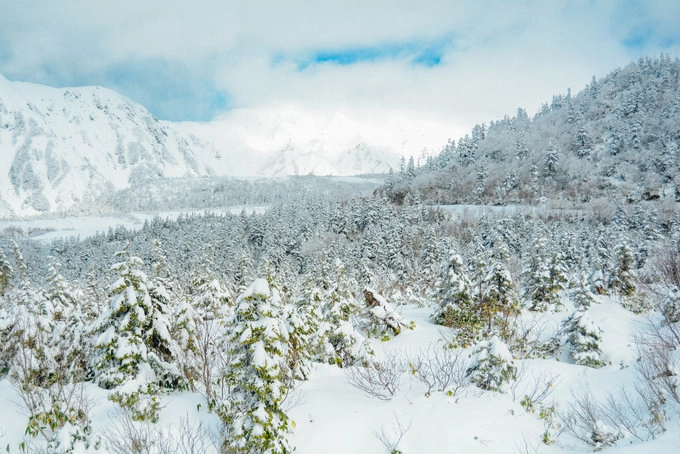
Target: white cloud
[(501, 55)]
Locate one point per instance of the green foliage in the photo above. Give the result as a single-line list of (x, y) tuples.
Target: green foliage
[(143, 403)]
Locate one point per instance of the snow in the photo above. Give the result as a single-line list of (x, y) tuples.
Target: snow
[(258, 287), (329, 415), (51, 228)]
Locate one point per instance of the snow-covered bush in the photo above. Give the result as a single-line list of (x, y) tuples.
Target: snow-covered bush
[(382, 317), (492, 365), (584, 337), (670, 306), (252, 414)]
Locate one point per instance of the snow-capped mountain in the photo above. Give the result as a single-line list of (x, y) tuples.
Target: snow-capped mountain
[(66, 147)]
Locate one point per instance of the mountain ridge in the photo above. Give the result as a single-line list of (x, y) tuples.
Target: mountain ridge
[(69, 147)]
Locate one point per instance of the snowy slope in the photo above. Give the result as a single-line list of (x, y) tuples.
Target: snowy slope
[(62, 148)]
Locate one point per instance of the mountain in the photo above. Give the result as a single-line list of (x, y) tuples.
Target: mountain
[(66, 148), (618, 139)]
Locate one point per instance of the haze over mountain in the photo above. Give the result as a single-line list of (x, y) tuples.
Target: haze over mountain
[(66, 147)]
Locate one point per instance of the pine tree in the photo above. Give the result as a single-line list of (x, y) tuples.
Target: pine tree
[(623, 276), (456, 307), (6, 273), (19, 264), (132, 342), (500, 301), (344, 345), (492, 365), (252, 414), (584, 337), (581, 294), (210, 300), (541, 278)]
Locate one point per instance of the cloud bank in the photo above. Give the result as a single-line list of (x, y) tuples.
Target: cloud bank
[(455, 62)]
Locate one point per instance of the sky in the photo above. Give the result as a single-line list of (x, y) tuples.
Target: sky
[(455, 62)]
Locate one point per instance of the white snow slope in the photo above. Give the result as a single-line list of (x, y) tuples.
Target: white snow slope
[(64, 147)]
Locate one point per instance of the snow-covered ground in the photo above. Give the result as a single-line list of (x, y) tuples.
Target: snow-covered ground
[(50, 228), (329, 415)]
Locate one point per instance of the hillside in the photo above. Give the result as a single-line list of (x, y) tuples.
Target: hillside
[(616, 139)]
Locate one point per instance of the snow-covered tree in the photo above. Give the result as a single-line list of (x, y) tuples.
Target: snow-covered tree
[(581, 294), (456, 307), (584, 337), (19, 264), (492, 365), (623, 275), (254, 419), (342, 343), (6, 273), (381, 315), (133, 347), (543, 277), (211, 300), (500, 299)]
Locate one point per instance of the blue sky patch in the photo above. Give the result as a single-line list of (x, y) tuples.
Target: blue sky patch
[(417, 52)]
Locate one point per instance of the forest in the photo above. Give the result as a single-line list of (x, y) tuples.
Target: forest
[(507, 240)]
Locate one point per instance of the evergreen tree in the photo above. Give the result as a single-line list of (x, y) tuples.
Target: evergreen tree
[(210, 300), (584, 337), (253, 414), (541, 278), (19, 264), (343, 345), (581, 294), (500, 301), (133, 342), (623, 276), (455, 304), (492, 365), (6, 273)]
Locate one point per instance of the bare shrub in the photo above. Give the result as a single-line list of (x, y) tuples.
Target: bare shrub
[(629, 412), (210, 361), (655, 368), (525, 446), (440, 369), (126, 436), (584, 420), (378, 378), (391, 438), (535, 390), (665, 267)]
